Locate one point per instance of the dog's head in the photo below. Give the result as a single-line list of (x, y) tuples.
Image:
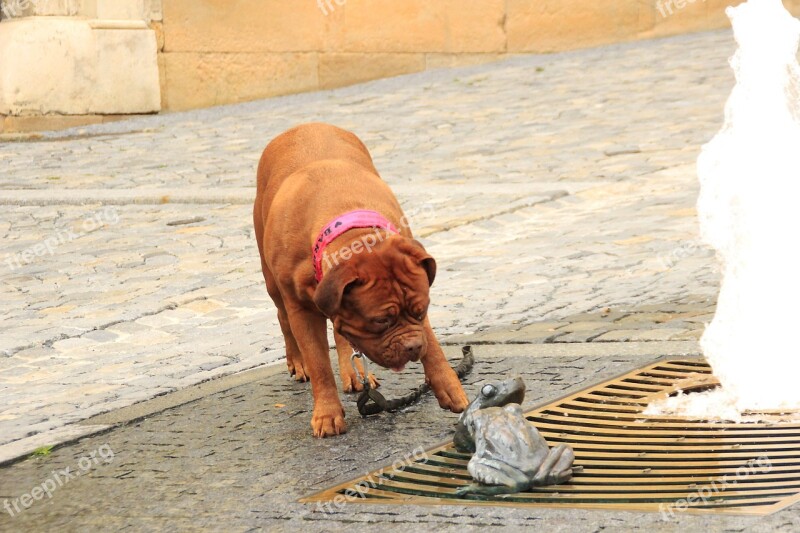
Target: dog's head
[(378, 300)]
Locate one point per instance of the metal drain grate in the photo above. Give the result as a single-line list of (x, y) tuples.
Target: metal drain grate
[(630, 461)]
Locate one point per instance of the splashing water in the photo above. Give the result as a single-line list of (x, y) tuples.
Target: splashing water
[(749, 209)]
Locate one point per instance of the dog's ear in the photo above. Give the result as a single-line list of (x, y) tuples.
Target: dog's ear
[(415, 249), (329, 293)]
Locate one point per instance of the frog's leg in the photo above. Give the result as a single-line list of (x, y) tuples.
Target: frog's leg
[(556, 468), (495, 478), (487, 490)]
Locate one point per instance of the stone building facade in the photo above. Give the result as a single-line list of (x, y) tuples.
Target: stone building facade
[(68, 62)]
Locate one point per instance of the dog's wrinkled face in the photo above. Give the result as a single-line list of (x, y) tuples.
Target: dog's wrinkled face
[(379, 300)]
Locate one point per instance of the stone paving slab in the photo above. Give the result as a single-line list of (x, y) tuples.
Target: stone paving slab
[(547, 187), (682, 320), (238, 460)]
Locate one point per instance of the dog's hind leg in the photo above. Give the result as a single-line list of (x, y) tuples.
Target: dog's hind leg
[(350, 381), (294, 357)]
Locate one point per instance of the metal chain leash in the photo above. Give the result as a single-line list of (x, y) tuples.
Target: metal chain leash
[(380, 403)]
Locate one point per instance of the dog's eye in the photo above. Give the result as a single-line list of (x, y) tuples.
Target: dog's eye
[(383, 322), (488, 391)]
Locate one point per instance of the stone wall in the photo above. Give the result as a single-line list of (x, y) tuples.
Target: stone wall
[(218, 51), (212, 52), (73, 62)]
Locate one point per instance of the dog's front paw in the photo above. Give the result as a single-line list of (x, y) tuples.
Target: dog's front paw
[(373, 381), (328, 421), (351, 383), (449, 393)]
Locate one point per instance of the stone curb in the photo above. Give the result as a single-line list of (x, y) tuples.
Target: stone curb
[(20, 449)]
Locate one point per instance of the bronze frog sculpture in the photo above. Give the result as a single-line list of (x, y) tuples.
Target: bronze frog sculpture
[(493, 394), (509, 453)]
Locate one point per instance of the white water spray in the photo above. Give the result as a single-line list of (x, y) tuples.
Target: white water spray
[(749, 209)]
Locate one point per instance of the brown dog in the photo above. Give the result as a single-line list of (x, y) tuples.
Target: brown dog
[(333, 245)]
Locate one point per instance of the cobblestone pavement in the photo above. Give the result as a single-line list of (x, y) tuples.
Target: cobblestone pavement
[(238, 460), (556, 192)]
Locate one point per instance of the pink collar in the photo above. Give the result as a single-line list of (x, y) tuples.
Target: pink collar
[(352, 220)]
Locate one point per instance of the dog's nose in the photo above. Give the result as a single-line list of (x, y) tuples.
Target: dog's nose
[(413, 347)]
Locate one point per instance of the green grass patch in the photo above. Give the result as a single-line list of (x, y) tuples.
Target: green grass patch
[(43, 451)]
